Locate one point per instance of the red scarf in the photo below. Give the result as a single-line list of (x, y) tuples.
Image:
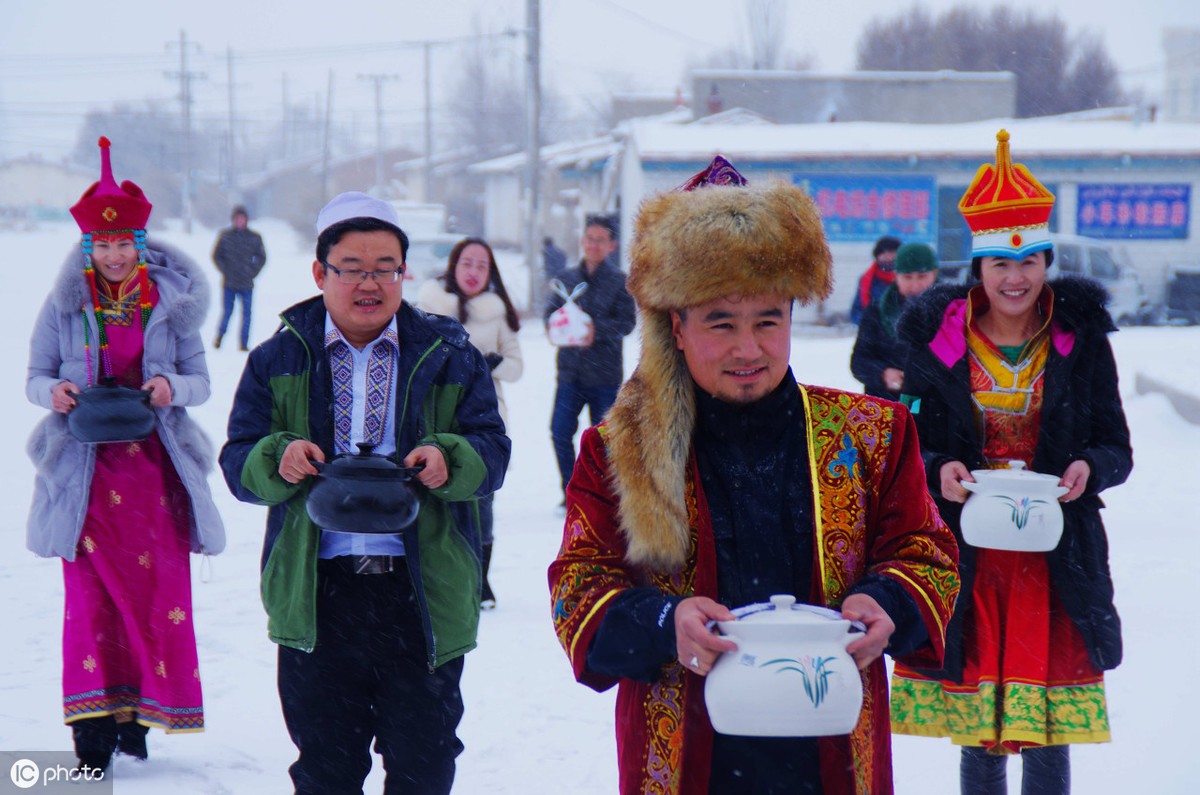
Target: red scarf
[(864, 284)]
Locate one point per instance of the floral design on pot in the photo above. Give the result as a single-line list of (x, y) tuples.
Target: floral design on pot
[(1013, 509), (753, 691), (816, 674)]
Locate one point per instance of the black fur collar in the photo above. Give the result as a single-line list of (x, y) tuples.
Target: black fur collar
[(1079, 304)]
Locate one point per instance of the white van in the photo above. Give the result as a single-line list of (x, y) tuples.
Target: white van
[(1107, 264)]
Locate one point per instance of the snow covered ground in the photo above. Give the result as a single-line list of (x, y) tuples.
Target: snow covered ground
[(529, 728)]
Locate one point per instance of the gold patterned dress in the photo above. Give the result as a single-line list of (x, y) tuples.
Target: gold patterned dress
[(129, 647)]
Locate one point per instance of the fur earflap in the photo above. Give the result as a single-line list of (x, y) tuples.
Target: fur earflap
[(691, 248), (650, 432), (697, 246)]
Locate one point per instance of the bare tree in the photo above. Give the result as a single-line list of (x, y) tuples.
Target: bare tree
[(766, 18), (1055, 74), (488, 103)]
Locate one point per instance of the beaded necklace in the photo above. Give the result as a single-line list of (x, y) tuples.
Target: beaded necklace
[(142, 291)]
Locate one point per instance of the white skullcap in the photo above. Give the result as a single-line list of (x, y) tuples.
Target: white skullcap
[(355, 204)]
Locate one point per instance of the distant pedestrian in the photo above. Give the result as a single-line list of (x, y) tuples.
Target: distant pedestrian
[(590, 374), (472, 291), (878, 356), (554, 260), (239, 255), (876, 278)]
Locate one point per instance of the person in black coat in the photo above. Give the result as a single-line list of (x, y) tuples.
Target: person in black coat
[(590, 374), (1081, 421), (878, 356), (239, 255)]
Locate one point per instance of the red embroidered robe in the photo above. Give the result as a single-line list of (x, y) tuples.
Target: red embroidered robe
[(874, 516)]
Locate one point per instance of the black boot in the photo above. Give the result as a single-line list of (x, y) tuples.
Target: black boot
[(131, 740), (488, 599), (95, 741)]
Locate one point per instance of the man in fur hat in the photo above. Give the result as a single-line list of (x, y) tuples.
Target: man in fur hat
[(717, 481)]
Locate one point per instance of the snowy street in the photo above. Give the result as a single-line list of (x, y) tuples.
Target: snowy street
[(529, 729)]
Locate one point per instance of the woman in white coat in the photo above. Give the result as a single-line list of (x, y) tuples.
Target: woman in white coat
[(472, 291)]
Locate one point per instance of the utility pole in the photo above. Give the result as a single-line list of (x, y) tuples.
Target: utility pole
[(325, 146), (230, 164), (378, 80), (185, 96), (283, 125), (428, 197), (533, 151)]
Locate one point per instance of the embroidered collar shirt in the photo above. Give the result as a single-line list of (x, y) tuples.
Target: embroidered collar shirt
[(358, 376)]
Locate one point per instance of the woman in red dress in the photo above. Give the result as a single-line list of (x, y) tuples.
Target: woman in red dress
[(1017, 369)]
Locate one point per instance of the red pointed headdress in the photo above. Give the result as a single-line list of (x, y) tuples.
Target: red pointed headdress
[(1007, 210), (109, 207)]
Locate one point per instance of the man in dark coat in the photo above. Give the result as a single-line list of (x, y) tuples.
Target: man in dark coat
[(876, 278), (239, 255), (554, 259), (878, 357), (590, 375)]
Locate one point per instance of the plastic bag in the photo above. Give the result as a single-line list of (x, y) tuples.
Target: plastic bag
[(569, 326)]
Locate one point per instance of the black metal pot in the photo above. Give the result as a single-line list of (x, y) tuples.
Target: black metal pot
[(363, 493), (111, 413)]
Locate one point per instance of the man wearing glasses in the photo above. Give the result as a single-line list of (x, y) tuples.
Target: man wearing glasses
[(372, 628)]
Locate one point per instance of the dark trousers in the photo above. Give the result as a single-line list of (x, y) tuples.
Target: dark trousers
[(230, 297), (1045, 770), (569, 400), (369, 678)]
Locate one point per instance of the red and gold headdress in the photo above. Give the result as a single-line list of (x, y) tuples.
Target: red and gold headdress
[(1007, 209), (107, 208)]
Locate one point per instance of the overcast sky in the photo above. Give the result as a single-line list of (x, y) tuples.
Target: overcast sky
[(59, 58)]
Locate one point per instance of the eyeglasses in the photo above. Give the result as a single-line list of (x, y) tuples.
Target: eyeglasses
[(354, 276)]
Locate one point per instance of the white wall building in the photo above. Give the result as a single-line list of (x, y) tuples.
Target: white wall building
[(1128, 182)]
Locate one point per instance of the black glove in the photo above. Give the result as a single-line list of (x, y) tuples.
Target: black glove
[(493, 360)]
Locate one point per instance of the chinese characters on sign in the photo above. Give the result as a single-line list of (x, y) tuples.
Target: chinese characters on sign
[(1139, 211), (865, 207)]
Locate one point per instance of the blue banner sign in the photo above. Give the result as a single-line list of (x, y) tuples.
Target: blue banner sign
[(1139, 212), (865, 207)]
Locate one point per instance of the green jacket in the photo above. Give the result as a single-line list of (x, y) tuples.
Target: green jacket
[(444, 397)]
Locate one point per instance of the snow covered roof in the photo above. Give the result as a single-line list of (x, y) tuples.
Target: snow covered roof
[(866, 75), (578, 154), (1047, 137), (733, 116)]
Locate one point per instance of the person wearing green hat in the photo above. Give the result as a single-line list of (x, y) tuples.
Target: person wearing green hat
[(878, 356)]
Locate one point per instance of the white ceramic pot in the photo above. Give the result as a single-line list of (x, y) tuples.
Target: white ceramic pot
[(1013, 509), (791, 675)]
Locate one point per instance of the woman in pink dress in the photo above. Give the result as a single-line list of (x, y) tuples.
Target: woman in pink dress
[(124, 514)]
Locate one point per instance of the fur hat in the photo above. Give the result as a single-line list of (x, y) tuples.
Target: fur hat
[(692, 246)]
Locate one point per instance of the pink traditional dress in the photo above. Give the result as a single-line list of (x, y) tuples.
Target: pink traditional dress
[(1027, 680), (129, 647)]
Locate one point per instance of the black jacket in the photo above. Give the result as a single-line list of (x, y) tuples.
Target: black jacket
[(875, 349), (239, 255), (612, 311), (1081, 418)]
